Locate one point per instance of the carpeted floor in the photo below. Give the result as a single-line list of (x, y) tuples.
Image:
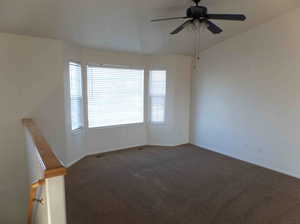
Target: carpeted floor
[(180, 185)]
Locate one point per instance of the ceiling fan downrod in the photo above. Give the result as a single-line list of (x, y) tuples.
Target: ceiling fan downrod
[(197, 2)]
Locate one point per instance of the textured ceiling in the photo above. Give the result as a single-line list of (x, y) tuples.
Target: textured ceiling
[(123, 25)]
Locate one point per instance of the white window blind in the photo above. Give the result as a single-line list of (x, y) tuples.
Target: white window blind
[(157, 92), (115, 96), (76, 96)]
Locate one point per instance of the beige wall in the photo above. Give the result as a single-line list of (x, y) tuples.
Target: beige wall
[(175, 131), (76, 143), (245, 96), (30, 82)]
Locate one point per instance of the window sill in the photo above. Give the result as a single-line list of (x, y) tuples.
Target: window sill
[(117, 126), (157, 124)]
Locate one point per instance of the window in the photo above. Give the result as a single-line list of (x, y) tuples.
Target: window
[(76, 96), (115, 96), (157, 92)]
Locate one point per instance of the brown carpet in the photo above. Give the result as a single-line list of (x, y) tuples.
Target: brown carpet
[(187, 185)]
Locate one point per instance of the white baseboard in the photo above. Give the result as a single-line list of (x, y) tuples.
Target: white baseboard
[(117, 149), (275, 169), (98, 152)]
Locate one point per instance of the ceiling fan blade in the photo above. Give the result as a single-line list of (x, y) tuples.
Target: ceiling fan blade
[(166, 19), (181, 27), (235, 17), (213, 27)]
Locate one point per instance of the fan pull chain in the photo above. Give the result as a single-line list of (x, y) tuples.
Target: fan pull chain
[(197, 32)]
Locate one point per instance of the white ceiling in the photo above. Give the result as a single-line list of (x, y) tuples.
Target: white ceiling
[(123, 25)]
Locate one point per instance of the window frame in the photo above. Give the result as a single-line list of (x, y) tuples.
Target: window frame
[(86, 94), (82, 101), (164, 122)]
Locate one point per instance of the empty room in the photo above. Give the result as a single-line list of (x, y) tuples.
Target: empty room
[(150, 112)]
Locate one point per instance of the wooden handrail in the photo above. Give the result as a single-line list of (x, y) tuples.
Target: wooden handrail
[(52, 165)]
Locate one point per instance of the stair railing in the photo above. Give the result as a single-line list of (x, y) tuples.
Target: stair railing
[(47, 189)]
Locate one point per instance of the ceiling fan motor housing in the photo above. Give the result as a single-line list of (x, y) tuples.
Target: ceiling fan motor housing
[(196, 12)]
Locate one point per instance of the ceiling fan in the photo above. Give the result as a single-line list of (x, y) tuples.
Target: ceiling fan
[(199, 14)]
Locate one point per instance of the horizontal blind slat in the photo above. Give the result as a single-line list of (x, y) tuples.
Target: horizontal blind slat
[(157, 92), (76, 95), (115, 96)]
